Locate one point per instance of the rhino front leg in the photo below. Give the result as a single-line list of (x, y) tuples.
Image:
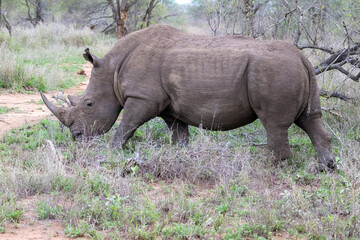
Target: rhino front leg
[(179, 129), (136, 112), (320, 138)]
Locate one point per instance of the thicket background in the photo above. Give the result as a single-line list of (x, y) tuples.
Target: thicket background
[(223, 185)]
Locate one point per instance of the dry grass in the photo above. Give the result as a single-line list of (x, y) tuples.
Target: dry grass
[(216, 186), (43, 58)]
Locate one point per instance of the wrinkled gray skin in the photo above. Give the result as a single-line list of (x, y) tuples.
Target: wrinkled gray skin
[(219, 83)]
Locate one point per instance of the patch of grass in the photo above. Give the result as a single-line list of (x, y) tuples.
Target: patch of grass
[(30, 137), (46, 210), (80, 230), (10, 210), (4, 110), (14, 215), (183, 231)]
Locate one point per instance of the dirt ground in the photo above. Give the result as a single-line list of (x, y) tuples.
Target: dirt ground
[(27, 108)]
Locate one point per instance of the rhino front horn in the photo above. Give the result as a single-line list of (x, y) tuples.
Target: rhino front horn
[(59, 112)]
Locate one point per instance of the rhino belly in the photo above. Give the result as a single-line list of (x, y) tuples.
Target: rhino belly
[(212, 114), (214, 103)]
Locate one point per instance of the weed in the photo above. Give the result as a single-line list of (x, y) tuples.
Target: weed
[(5, 109), (47, 210), (183, 231), (79, 230), (14, 215)]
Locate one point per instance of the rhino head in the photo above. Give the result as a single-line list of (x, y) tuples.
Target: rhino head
[(94, 112)]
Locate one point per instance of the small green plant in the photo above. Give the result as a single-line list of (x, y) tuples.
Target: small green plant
[(183, 231), (5, 109), (14, 215), (222, 208), (99, 186), (63, 184), (77, 231), (47, 210)]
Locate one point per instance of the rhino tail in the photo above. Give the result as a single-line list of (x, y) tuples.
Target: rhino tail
[(313, 108)]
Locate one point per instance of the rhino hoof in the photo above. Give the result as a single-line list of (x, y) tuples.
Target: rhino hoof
[(327, 163)]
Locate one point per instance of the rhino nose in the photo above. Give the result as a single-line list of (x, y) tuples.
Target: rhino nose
[(77, 135)]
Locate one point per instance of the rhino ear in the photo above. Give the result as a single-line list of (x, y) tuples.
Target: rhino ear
[(91, 58)]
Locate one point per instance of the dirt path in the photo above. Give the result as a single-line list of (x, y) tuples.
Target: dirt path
[(28, 109)]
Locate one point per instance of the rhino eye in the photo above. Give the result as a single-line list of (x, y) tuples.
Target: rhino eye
[(89, 104)]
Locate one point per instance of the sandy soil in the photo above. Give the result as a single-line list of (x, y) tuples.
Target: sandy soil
[(27, 108)]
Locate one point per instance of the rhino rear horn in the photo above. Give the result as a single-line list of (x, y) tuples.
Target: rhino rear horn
[(91, 58), (59, 112), (74, 99)]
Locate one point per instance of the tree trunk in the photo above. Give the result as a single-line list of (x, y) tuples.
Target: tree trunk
[(151, 6), (0, 12), (38, 11), (148, 14), (120, 24), (249, 16), (7, 23), (119, 14)]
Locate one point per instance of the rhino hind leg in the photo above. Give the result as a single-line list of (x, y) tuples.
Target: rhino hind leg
[(180, 130), (278, 142), (320, 138)]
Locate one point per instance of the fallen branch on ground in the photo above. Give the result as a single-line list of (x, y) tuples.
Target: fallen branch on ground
[(330, 110)]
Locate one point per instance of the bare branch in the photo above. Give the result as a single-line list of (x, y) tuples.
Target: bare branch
[(313, 46), (337, 59), (113, 8), (344, 71), (108, 28), (286, 14), (327, 94), (168, 16), (100, 7)]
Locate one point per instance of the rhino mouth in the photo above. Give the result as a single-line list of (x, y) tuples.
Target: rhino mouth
[(77, 135)]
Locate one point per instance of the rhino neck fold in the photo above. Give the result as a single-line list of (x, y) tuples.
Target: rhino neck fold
[(120, 62)]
